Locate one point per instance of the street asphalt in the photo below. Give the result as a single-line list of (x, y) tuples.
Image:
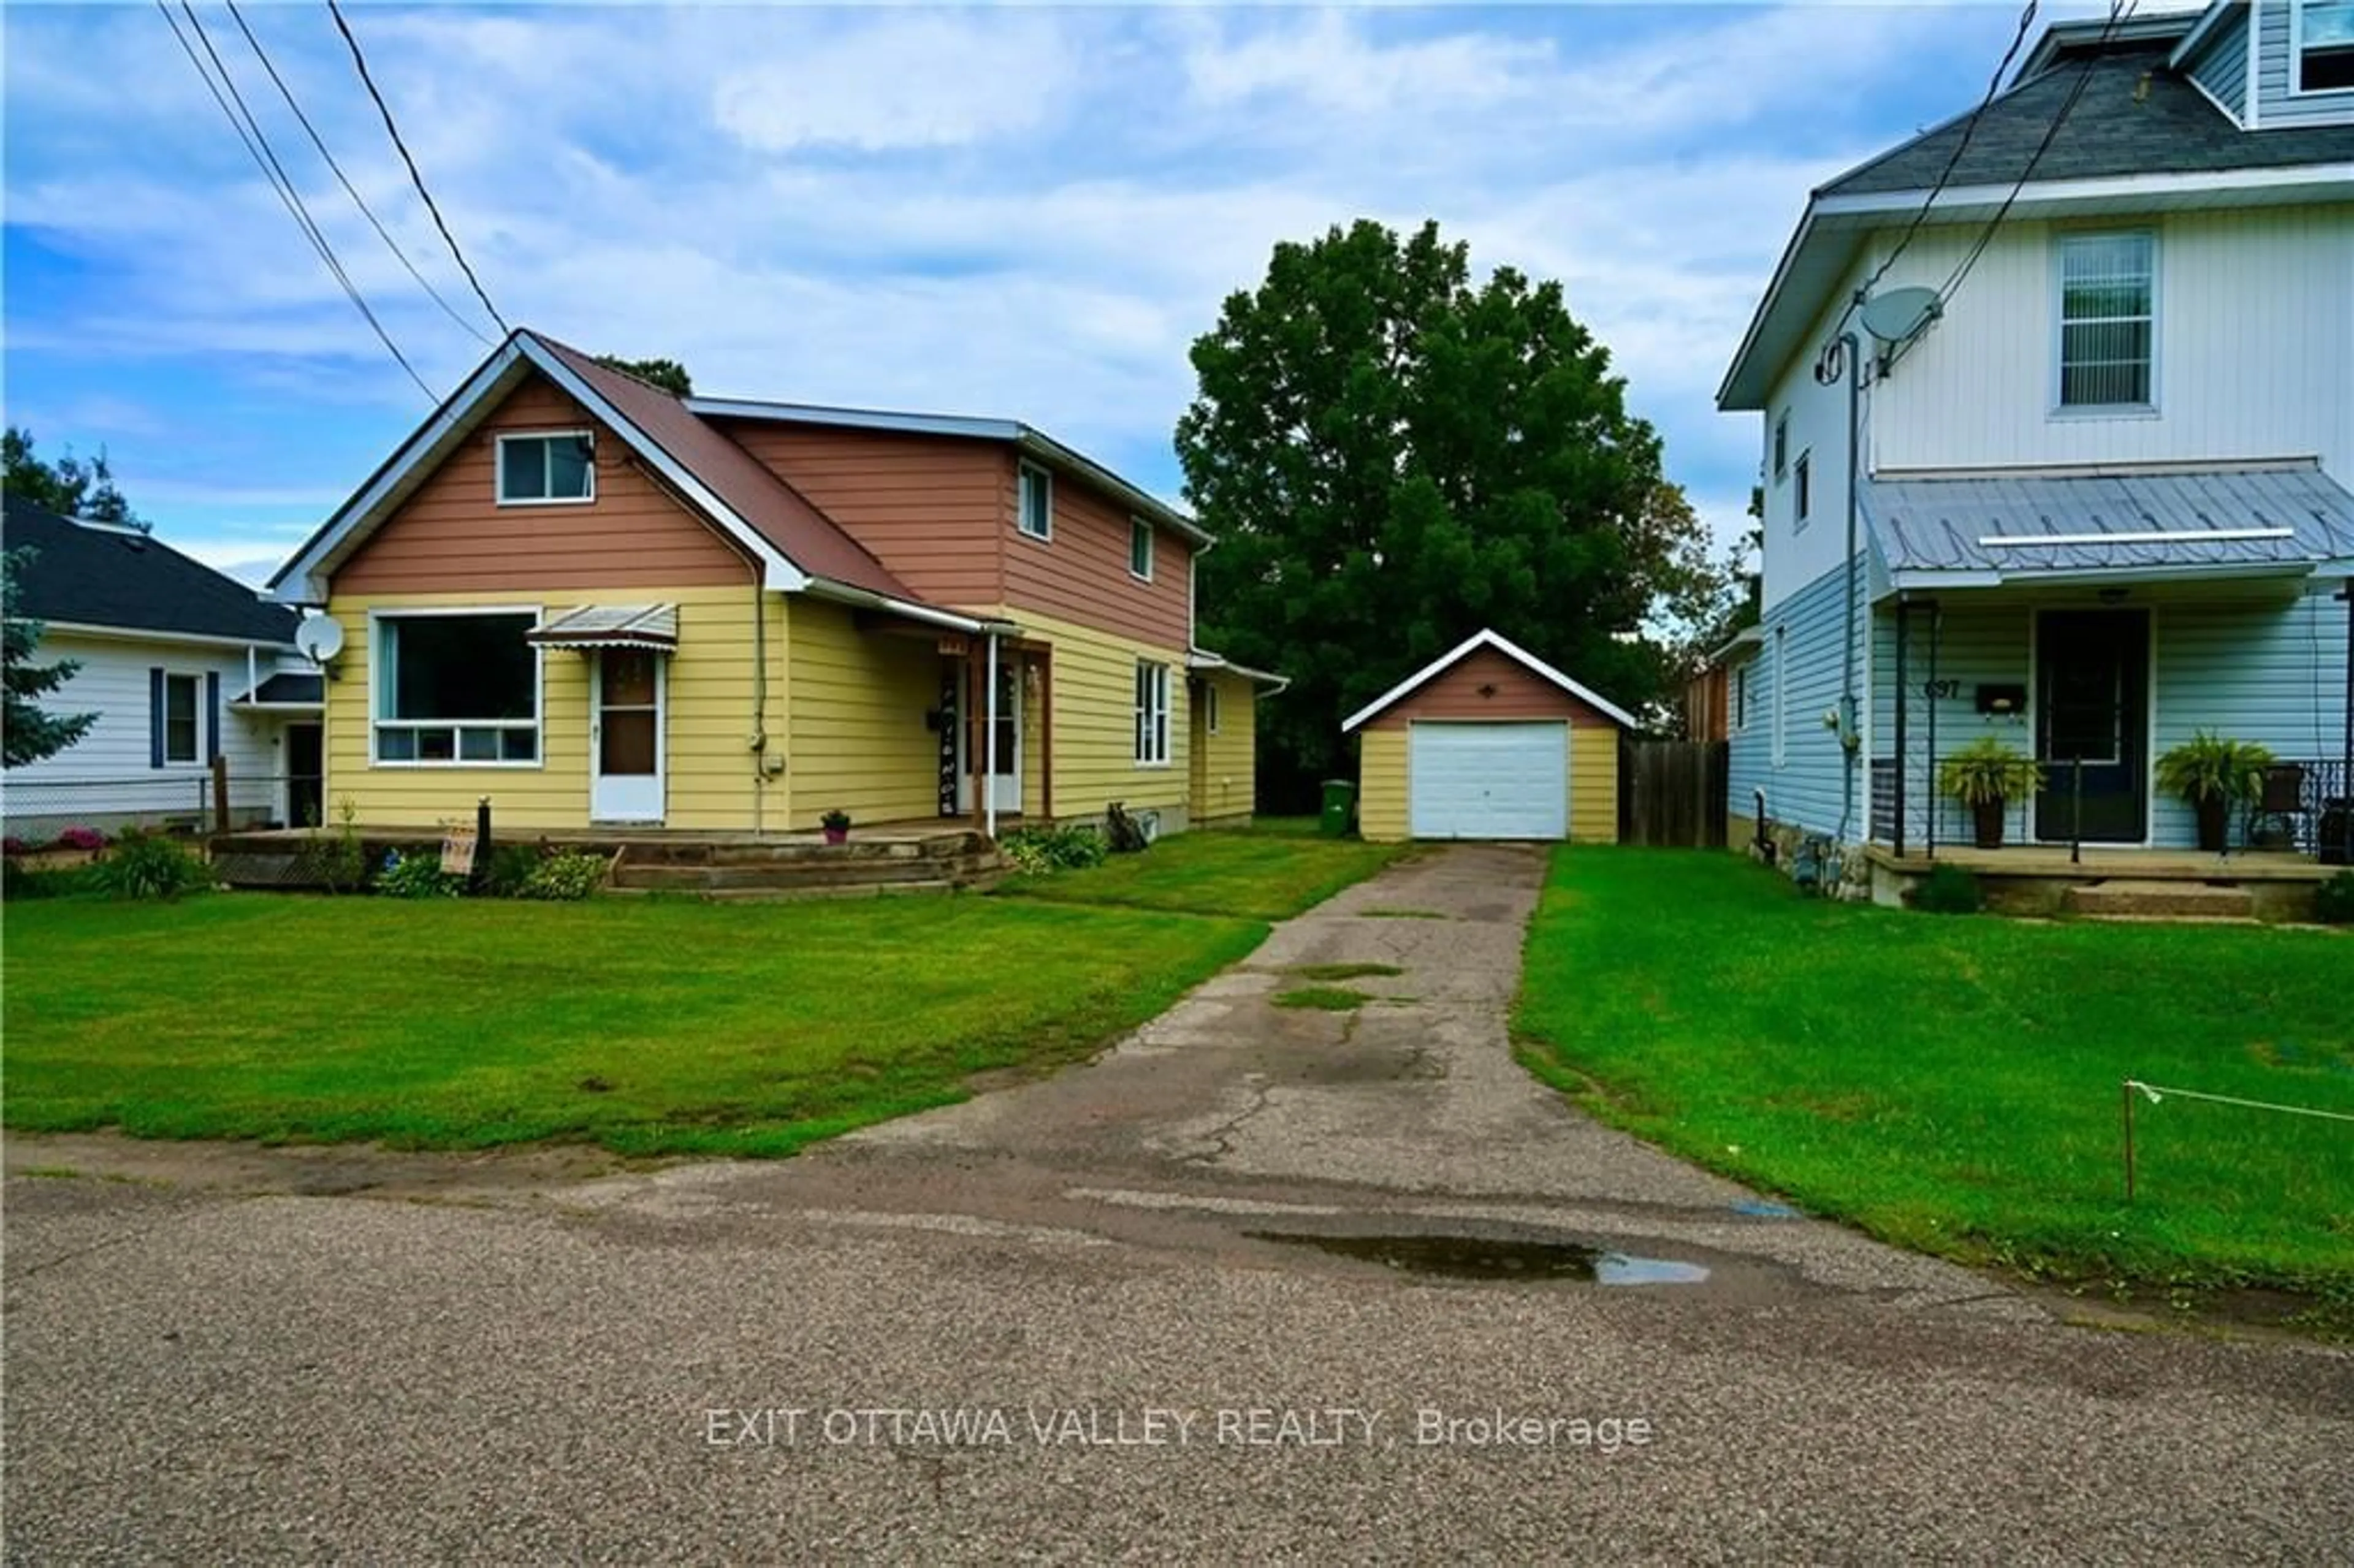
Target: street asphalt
[(1260, 1283)]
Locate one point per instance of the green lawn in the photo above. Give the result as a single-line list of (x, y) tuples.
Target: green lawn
[(1951, 1082), (1269, 872), (648, 1026)]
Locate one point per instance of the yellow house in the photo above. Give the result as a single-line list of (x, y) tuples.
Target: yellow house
[(1489, 741), (597, 603)]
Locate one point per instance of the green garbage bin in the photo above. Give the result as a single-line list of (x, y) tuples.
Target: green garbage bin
[(1340, 803)]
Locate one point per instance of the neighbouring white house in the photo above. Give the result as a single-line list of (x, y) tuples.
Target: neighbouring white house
[(180, 664), (2057, 404)]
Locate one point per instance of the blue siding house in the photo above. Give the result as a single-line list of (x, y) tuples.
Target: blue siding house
[(2057, 402)]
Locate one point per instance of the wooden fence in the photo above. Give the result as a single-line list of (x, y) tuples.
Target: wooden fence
[(1671, 792)]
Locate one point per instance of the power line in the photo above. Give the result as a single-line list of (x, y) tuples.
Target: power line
[(1961, 145), (414, 178), (258, 147), (2118, 11), (349, 189)]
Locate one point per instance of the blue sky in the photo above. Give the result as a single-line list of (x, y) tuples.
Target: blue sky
[(1027, 212)]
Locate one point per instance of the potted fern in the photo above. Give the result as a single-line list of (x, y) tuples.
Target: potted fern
[(1985, 776), (836, 824), (2212, 775)]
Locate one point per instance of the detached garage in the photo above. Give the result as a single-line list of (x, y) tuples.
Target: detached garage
[(1488, 742)]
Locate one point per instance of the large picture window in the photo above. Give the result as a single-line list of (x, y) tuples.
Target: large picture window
[(543, 469), (1152, 715), (2108, 316), (455, 690)]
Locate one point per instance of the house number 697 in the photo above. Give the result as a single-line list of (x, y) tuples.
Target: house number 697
[(1941, 688)]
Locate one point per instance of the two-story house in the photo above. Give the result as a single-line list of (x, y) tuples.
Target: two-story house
[(598, 603), (2058, 405)]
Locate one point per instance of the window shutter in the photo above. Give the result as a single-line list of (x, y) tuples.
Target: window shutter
[(212, 715), (155, 717)]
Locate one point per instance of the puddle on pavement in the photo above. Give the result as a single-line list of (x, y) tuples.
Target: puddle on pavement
[(1489, 1257), (1760, 1209)]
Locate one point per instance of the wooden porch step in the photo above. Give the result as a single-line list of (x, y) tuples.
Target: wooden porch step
[(2124, 897), (790, 874), (797, 894)]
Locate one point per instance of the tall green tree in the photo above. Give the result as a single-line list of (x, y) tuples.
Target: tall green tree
[(667, 373), (1394, 456), (68, 486), (29, 733)]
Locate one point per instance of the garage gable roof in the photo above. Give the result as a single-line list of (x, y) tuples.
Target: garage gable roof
[(1509, 650)]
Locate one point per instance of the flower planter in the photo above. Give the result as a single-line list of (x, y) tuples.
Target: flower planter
[(836, 835), (1986, 817), (2214, 815)]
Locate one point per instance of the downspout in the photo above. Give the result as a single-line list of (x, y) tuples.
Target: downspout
[(989, 743), (760, 740), (2346, 751), (1854, 355), (1845, 356)]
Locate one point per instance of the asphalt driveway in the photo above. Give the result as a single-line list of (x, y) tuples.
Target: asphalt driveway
[(1264, 1281)]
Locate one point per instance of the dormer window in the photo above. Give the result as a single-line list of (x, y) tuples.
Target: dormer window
[(548, 467), (2324, 46)]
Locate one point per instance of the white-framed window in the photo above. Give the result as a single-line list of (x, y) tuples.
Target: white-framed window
[(2324, 46), (1210, 707), (183, 725), (1781, 445), (2108, 318), (1803, 495), (1140, 549), (456, 688), (1035, 509), (548, 467), (1781, 696), (1152, 715)]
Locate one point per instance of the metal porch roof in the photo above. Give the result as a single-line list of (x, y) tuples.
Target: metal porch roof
[(2025, 525)]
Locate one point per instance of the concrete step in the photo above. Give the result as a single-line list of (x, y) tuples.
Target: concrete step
[(2123, 897)]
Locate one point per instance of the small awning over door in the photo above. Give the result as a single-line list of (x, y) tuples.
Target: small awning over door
[(653, 626)]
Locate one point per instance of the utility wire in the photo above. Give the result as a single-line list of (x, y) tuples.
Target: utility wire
[(414, 178), (2118, 11), (1961, 145), (258, 147), (349, 189)]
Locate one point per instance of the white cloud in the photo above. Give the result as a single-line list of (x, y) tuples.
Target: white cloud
[(907, 80), (1021, 212)]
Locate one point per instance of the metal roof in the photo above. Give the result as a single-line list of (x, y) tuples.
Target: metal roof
[(609, 626), (2026, 525)]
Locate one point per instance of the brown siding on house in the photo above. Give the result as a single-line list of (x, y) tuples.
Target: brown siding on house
[(452, 536), (1454, 693), (1081, 574), (931, 508)]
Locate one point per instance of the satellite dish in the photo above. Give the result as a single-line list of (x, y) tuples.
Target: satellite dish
[(1899, 314), (320, 637)]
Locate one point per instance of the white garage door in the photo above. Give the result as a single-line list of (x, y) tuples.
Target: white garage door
[(1488, 781)]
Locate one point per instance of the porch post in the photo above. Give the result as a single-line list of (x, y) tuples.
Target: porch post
[(2345, 744), (1929, 767), (1903, 635), (989, 743)]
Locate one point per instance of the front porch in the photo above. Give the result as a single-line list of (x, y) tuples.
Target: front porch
[(930, 855)]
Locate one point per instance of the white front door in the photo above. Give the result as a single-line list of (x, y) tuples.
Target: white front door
[(625, 736), (1488, 781), (1005, 789)]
